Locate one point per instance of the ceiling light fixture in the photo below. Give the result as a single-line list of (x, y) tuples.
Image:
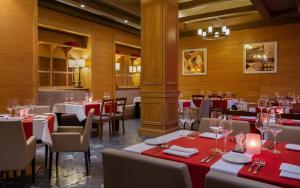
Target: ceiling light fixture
[(126, 21), (82, 5), (214, 33)]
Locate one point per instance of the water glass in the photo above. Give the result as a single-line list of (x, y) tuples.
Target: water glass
[(226, 128), (275, 129), (214, 125)]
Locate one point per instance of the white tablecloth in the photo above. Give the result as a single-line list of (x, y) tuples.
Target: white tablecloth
[(136, 99), (77, 109)]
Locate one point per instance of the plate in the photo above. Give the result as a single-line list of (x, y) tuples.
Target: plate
[(238, 158), (154, 141)]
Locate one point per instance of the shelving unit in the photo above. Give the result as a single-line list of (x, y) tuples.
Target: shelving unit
[(54, 53)]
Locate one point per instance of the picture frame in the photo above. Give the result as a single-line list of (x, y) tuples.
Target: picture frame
[(260, 58), (194, 61)]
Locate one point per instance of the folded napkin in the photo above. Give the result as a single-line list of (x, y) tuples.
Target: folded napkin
[(289, 175), (181, 151), (290, 168), (293, 147), (211, 135), (247, 117), (296, 120)]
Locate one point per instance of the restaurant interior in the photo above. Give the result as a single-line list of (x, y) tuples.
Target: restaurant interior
[(150, 93)]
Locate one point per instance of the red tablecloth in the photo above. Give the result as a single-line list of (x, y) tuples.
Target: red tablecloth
[(197, 102), (270, 173), (96, 106), (28, 123), (186, 104), (198, 170), (219, 104)]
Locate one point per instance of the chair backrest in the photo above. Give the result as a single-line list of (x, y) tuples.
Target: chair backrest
[(295, 109), (88, 128), (12, 145), (107, 106), (204, 109), (238, 126), (291, 116), (120, 102), (197, 100), (215, 179), (289, 134), (40, 109), (240, 113), (145, 171)]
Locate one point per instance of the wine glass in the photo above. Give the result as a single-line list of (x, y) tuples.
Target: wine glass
[(227, 129), (71, 97), (214, 125), (12, 105), (66, 97), (268, 105), (191, 116), (259, 125), (28, 105), (181, 119), (261, 104), (275, 129)]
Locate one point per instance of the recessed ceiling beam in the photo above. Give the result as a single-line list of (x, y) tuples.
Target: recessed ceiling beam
[(249, 25), (244, 9), (262, 9), (196, 3)]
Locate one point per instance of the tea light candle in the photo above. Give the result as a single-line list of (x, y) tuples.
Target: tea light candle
[(253, 143)]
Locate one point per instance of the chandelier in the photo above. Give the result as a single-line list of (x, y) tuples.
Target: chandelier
[(214, 33)]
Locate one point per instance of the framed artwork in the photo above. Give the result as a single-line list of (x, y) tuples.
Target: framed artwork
[(260, 57), (194, 61)]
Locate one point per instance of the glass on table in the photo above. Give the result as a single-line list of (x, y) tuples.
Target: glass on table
[(181, 119), (226, 128), (11, 106), (67, 97), (214, 125), (261, 104), (259, 125), (275, 129)]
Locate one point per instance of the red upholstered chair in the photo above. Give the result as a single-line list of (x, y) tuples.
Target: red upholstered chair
[(197, 100)]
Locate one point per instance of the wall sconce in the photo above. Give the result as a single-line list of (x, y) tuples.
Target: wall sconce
[(71, 64), (76, 63), (117, 66), (139, 68), (133, 68), (130, 69), (253, 144)]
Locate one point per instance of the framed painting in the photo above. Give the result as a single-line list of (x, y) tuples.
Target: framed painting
[(260, 57), (194, 61)]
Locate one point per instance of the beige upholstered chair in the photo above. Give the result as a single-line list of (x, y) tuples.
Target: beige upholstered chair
[(40, 109), (215, 179), (238, 126), (120, 115), (140, 171), (16, 152), (72, 139), (289, 134)]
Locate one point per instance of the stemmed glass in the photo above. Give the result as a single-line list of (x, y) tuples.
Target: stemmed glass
[(259, 125), (182, 119), (66, 97), (71, 97), (275, 129), (11, 105), (261, 104), (28, 105), (227, 129), (191, 116), (214, 125), (268, 105)]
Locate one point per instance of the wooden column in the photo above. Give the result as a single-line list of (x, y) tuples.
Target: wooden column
[(159, 83)]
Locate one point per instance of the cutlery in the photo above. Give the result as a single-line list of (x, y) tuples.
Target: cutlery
[(207, 157), (270, 146), (161, 147), (256, 162), (212, 157), (261, 164)]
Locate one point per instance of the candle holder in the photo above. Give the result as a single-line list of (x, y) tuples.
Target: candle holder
[(253, 144)]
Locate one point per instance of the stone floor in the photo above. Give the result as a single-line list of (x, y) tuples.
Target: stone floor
[(71, 170)]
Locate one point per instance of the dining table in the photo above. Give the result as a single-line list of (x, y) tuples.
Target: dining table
[(270, 173)]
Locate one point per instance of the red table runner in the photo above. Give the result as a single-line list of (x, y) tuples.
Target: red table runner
[(88, 107), (219, 104), (198, 170), (28, 123)]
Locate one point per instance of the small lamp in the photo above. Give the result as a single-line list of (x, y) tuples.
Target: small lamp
[(133, 68), (253, 143), (139, 68), (117, 66), (72, 63), (130, 69)]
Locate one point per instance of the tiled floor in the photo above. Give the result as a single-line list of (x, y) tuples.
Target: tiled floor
[(71, 171)]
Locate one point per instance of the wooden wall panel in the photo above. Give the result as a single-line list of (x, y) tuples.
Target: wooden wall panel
[(18, 48), (225, 63), (102, 45)]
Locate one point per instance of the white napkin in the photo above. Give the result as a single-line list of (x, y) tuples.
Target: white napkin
[(40, 117), (293, 147), (289, 175), (296, 120), (247, 117), (181, 151), (290, 168), (211, 135)]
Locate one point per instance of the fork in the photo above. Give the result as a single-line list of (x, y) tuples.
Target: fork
[(261, 164), (256, 162)]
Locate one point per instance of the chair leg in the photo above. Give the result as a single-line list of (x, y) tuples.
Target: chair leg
[(100, 130), (15, 173), (57, 158), (33, 170), (46, 154), (110, 128), (50, 165), (89, 153), (123, 122), (22, 177), (86, 163)]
